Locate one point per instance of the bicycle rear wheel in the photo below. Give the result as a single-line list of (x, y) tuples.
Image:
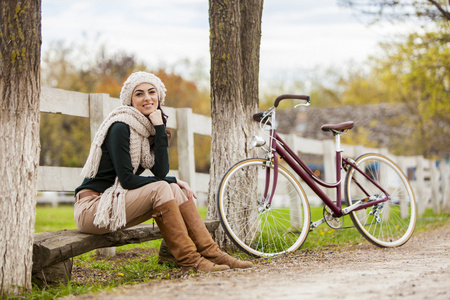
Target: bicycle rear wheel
[(255, 227), (390, 223)]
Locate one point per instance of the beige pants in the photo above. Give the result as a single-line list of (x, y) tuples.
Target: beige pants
[(139, 204)]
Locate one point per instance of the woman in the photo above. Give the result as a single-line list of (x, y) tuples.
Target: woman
[(113, 195)]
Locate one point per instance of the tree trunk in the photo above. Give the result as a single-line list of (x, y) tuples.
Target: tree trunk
[(20, 43), (235, 37)]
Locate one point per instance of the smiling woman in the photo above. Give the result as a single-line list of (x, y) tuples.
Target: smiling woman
[(114, 196), (145, 99)]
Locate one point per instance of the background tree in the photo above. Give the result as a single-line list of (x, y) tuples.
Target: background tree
[(65, 140), (235, 37), (416, 73), (20, 43), (401, 10), (412, 71), (412, 75)]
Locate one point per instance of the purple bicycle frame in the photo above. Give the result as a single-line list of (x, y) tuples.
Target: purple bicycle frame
[(294, 161)]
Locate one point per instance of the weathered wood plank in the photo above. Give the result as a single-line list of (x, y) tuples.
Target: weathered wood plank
[(201, 124), (172, 120), (64, 102), (58, 179), (53, 247)]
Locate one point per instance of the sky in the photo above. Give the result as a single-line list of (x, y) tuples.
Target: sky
[(297, 35)]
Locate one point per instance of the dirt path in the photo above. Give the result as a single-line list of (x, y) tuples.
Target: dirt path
[(418, 270)]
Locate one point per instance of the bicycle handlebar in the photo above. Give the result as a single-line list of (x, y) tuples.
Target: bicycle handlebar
[(290, 96), (263, 116)]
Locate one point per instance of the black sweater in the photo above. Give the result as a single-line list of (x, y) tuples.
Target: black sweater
[(116, 161)]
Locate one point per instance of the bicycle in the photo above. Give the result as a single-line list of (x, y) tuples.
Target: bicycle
[(264, 210)]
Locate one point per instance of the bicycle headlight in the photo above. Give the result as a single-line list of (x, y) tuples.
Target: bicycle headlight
[(257, 141)]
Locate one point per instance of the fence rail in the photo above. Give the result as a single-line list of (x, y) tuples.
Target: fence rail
[(430, 183)]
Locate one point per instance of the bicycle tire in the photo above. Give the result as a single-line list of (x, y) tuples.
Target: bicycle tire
[(383, 227), (281, 228)]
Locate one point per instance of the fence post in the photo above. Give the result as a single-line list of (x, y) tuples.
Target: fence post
[(400, 160), (420, 185), (329, 164), (435, 195), (185, 145), (445, 185), (403, 205), (296, 217), (98, 110), (358, 150)]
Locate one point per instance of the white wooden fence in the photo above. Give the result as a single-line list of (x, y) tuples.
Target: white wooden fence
[(96, 107), (431, 184)]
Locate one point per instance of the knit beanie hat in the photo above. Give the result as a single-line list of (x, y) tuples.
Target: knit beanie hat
[(136, 79)]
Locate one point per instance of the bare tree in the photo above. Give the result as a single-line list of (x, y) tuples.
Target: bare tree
[(20, 43), (235, 37), (399, 10)]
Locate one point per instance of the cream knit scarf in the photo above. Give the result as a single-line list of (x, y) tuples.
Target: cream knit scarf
[(111, 207)]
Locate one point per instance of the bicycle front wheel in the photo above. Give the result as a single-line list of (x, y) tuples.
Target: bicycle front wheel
[(390, 223), (254, 225)]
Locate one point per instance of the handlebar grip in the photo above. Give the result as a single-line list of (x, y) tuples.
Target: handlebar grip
[(258, 117), (290, 96)]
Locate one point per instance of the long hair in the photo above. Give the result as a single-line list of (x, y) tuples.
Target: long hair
[(164, 117)]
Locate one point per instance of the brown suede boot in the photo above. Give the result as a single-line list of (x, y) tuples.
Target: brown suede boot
[(203, 240), (175, 234)]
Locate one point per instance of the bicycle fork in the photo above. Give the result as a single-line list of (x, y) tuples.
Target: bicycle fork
[(271, 162)]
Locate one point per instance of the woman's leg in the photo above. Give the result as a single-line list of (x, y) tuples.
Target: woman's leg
[(178, 194), (200, 234), (152, 200), (175, 234), (140, 203), (84, 214)]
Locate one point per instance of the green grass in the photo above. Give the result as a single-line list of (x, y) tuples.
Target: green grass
[(325, 237), (126, 269), (50, 218)]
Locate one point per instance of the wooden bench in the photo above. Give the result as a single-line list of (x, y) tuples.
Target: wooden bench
[(53, 250)]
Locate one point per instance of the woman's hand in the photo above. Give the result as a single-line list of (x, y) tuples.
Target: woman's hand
[(156, 117), (189, 191)]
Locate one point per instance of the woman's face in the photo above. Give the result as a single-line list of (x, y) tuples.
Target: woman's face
[(145, 98)]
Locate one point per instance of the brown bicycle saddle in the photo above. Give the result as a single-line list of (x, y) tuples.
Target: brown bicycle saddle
[(338, 127)]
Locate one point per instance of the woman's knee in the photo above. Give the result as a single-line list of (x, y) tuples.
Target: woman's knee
[(162, 193), (149, 196), (180, 197)]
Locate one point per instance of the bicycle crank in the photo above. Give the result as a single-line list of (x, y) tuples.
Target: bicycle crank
[(333, 222)]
